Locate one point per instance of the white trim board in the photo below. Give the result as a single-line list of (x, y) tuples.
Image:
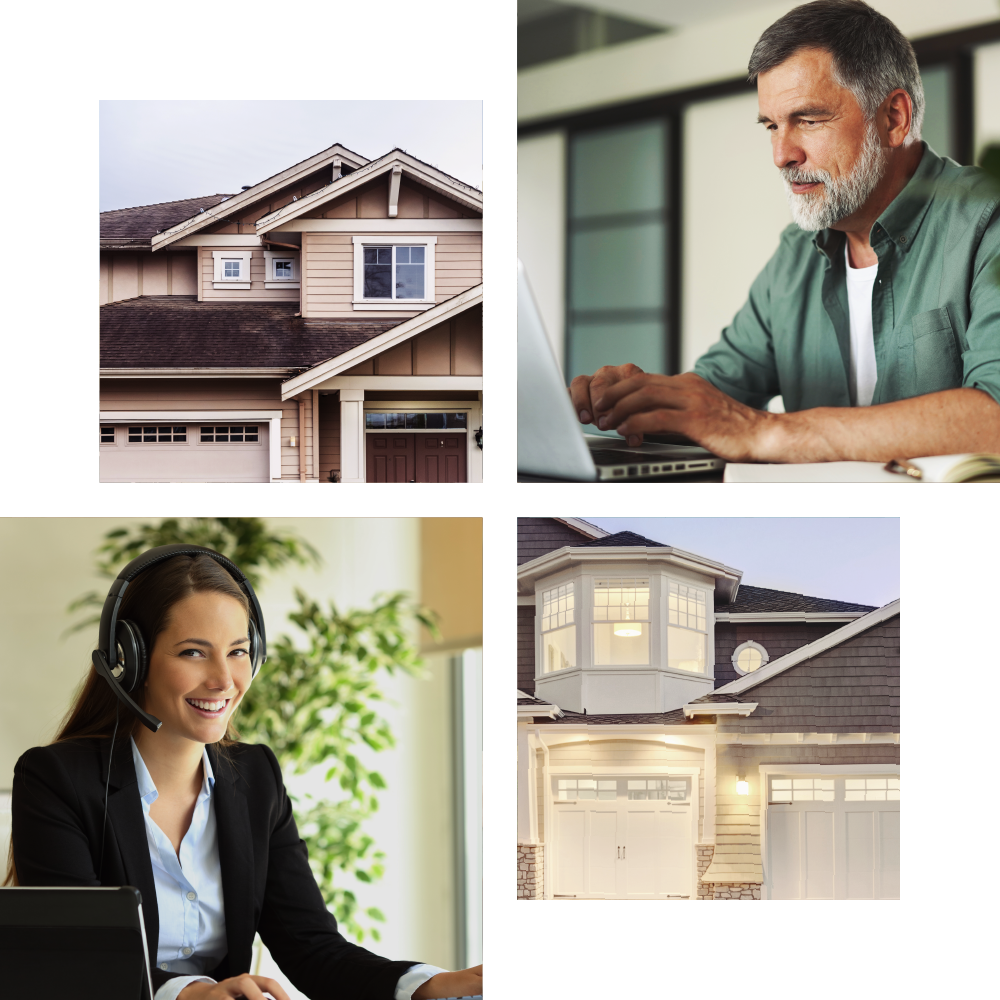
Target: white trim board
[(725, 708), (584, 526), (362, 226), (810, 617), (273, 418), (219, 240), (807, 652)]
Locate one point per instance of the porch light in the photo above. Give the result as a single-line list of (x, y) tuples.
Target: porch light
[(742, 785)]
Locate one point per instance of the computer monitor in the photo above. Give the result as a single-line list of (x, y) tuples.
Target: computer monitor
[(80, 943)]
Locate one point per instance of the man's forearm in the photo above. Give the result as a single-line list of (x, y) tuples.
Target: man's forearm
[(941, 423)]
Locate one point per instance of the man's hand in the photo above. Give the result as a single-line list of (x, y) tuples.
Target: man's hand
[(465, 983), (584, 390), (251, 987), (681, 404)]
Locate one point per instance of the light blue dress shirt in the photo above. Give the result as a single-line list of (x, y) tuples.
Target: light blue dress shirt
[(189, 893)]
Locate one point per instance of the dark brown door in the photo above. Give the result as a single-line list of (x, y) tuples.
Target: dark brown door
[(389, 458), (440, 458)]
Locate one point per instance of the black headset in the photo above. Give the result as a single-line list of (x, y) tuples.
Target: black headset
[(126, 671)]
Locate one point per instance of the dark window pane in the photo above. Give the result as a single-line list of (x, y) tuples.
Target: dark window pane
[(393, 420), (206, 437), (164, 430), (221, 437), (414, 420), (375, 420), (371, 255), (235, 437), (436, 421), (180, 430), (250, 437), (378, 281), (409, 281), (250, 430), (458, 419), (385, 255), (180, 437)]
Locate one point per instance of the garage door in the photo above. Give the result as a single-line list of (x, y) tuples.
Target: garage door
[(832, 837), (624, 838), (185, 453)]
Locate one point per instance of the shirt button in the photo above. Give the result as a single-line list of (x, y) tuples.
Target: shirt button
[(164, 966), (902, 239), (192, 895), (187, 951)]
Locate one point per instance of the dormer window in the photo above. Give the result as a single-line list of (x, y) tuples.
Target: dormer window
[(687, 628), (558, 628), (621, 622), (281, 269), (232, 269)]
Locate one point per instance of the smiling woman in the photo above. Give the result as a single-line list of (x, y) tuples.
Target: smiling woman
[(169, 801)]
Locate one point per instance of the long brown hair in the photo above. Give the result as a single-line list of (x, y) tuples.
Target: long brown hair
[(147, 601)]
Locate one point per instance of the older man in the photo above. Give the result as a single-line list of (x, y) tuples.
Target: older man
[(878, 317)]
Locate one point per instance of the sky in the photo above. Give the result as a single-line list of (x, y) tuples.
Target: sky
[(154, 151), (844, 558)]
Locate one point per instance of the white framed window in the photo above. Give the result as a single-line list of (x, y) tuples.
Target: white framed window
[(621, 621), (156, 434), (281, 270), (557, 623), (107, 433), (394, 273), (232, 268), (749, 656), (687, 628)]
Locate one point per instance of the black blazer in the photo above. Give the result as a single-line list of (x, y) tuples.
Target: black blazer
[(267, 885)]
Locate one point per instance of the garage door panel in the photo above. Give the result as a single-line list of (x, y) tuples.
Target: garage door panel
[(603, 851), (673, 868), (819, 854), (888, 855), (570, 830), (860, 846), (786, 862)]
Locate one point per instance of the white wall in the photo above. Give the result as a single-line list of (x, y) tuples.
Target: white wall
[(987, 89), (48, 561), (734, 210), (541, 226)]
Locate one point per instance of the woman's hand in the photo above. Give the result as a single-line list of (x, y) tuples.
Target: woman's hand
[(251, 987), (465, 983)]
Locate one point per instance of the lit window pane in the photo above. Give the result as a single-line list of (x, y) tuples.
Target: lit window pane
[(749, 660), (559, 649), (685, 650), (611, 649)]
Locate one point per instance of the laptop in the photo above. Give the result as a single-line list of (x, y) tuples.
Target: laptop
[(550, 438), (84, 943)]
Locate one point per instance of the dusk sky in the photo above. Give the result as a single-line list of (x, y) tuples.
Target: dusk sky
[(848, 559), (153, 151)]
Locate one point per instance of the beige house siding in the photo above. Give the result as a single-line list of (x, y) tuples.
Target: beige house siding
[(328, 272), (304, 437), (127, 275), (255, 293), (454, 347), (372, 202)]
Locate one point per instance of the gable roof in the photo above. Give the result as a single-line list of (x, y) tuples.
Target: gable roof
[(730, 692), (173, 333), (626, 538), (423, 173), (268, 186), (133, 228), (755, 600), (334, 365)]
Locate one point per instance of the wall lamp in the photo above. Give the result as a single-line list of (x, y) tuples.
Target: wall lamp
[(742, 785)]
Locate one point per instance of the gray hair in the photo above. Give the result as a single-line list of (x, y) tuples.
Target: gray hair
[(871, 57)]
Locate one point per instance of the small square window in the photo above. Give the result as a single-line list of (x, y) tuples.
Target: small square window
[(282, 269), (107, 434), (232, 268)]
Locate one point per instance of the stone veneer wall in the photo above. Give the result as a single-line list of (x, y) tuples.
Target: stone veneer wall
[(705, 853), (530, 866), (736, 890)]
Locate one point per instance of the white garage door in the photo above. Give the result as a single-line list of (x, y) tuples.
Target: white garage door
[(832, 837), (185, 453), (624, 838)]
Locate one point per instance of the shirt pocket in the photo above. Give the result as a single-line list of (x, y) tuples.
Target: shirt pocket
[(936, 358)]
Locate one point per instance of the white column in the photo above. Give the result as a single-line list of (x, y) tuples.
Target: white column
[(352, 435), (525, 778)]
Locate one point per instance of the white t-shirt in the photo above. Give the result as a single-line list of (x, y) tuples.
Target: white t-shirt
[(860, 282)]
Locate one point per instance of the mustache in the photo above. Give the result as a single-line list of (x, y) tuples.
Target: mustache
[(792, 175)]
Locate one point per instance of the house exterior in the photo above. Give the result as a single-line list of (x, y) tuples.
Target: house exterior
[(323, 325), (682, 735)]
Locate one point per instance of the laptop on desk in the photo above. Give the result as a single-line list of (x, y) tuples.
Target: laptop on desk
[(550, 440)]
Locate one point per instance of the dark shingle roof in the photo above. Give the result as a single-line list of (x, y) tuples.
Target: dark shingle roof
[(757, 600), (625, 538), (180, 333), (137, 226)]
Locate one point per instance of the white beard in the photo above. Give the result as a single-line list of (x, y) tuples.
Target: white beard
[(837, 199)]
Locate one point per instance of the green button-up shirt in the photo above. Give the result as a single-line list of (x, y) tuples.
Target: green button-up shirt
[(935, 303)]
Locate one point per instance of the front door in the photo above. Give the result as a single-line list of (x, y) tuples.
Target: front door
[(624, 838), (415, 458)]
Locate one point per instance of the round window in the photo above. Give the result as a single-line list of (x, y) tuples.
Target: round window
[(749, 656)]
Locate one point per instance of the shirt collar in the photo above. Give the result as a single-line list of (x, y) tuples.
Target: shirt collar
[(901, 220), (147, 790)]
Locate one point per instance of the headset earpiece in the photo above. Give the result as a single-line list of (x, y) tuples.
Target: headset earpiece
[(256, 657), (131, 662)]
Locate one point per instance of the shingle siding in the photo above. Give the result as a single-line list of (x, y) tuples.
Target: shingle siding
[(526, 648), (777, 638), (852, 688), (538, 535)]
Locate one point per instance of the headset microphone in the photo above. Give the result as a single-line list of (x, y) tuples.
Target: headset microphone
[(101, 666)]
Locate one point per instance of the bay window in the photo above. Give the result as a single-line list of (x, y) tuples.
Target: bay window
[(621, 622), (687, 630), (558, 628)]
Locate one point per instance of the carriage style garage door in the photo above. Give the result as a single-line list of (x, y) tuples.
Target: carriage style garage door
[(832, 837), (625, 838), (185, 453)]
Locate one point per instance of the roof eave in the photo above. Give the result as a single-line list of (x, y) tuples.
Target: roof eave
[(258, 191), (725, 708), (426, 175)]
